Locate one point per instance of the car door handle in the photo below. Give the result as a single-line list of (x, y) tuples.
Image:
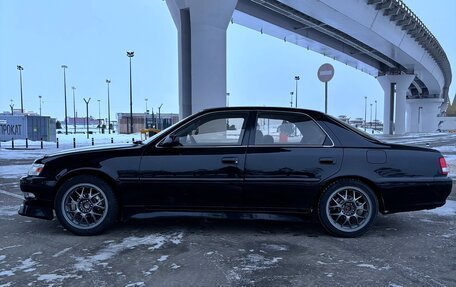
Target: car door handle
[(327, 160), (230, 160)]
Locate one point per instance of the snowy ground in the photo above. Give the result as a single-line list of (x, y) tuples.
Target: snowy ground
[(65, 142), (406, 249)]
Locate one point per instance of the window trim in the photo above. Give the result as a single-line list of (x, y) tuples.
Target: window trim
[(252, 142), (243, 139)]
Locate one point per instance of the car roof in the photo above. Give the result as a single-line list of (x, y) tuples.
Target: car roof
[(264, 108)]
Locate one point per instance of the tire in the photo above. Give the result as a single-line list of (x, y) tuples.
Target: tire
[(86, 205), (347, 208)]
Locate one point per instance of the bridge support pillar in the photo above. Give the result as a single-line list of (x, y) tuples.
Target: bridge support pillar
[(422, 115), (395, 88), (201, 26)]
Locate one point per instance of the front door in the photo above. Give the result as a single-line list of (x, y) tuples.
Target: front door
[(203, 170)]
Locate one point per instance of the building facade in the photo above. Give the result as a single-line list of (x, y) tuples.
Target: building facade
[(145, 120)]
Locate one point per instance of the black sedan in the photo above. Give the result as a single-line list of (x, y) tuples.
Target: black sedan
[(244, 160)]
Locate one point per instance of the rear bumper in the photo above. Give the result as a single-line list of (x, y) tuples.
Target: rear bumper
[(37, 209), (399, 196)]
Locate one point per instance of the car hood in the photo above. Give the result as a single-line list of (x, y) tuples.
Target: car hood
[(90, 149)]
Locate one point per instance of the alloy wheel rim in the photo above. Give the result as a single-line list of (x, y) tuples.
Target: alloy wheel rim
[(349, 209), (84, 206)]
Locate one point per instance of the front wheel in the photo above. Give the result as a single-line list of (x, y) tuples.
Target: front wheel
[(347, 208), (86, 205)]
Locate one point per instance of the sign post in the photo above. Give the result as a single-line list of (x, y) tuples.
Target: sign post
[(325, 74)]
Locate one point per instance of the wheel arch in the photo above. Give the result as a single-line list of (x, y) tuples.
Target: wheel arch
[(369, 183), (90, 172)]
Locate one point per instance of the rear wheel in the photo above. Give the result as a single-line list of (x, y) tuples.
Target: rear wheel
[(86, 205), (347, 208)]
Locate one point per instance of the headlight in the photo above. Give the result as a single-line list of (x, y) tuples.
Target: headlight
[(35, 169)]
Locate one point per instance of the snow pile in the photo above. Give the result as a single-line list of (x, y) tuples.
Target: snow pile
[(62, 252), (387, 267), (451, 162), (6, 210), (250, 263), (65, 142), (24, 266), (10, 154), (50, 278), (449, 209), (163, 258), (154, 241), (13, 171)]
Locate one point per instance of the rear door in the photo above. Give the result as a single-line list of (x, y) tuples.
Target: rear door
[(288, 157)]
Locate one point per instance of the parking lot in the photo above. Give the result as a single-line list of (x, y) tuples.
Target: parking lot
[(405, 249)]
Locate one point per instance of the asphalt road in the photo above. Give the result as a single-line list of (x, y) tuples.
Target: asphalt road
[(405, 249)]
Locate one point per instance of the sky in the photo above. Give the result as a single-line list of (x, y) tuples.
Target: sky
[(92, 37)]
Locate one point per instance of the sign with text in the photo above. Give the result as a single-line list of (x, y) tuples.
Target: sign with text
[(12, 127), (10, 130)]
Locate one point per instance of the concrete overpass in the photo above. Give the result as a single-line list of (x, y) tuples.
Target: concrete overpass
[(383, 38)]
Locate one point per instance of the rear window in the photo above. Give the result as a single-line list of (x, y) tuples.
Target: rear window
[(355, 130)]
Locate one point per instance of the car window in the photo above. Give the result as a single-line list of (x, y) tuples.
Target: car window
[(216, 130), (287, 128), (356, 130)]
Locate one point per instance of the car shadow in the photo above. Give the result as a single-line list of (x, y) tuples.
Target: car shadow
[(232, 224), (307, 226)]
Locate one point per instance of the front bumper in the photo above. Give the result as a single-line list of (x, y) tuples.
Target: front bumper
[(43, 188), (42, 205), (37, 209)]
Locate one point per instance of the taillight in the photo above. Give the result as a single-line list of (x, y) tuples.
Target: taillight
[(443, 166)]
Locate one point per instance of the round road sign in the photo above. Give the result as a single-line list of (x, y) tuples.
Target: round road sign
[(325, 72)]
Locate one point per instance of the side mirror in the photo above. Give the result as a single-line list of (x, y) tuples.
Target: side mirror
[(171, 141)]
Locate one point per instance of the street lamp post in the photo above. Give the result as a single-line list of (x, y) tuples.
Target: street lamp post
[(99, 116), (131, 55), (74, 110), (109, 108), (64, 93), (370, 122), (87, 113), (228, 99), (291, 99), (365, 112), (12, 107), (159, 117), (40, 104), (20, 68), (296, 91), (375, 121)]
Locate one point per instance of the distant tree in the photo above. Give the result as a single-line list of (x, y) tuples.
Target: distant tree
[(58, 125)]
